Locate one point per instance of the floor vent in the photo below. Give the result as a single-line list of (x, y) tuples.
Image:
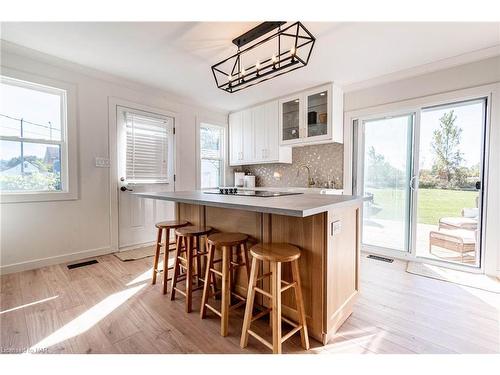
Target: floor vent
[(82, 264), (382, 259)]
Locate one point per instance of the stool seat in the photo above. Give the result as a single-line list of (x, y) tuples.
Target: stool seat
[(275, 252), (171, 224), (193, 230), (227, 239)]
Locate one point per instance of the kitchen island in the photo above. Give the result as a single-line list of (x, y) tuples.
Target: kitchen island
[(325, 227)]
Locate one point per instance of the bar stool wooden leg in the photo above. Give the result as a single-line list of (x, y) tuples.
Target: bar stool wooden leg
[(198, 261), (252, 283), (226, 289), (246, 259), (189, 274), (304, 338), (178, 249), (165, 260), (157, 255), (214, 278), (204, 299), (276, 305)]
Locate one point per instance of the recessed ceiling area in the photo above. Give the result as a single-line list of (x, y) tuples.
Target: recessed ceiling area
[(177, 56)]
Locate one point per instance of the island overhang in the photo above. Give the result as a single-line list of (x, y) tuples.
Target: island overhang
[(301, 205)]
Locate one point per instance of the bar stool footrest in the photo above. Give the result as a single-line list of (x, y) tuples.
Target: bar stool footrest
[(260, 338), (291, 333), (261, 314), (216, 272), (236, 305), (213, 309), (261, 291)]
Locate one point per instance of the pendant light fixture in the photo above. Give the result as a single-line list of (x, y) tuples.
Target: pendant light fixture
[(274, 52)]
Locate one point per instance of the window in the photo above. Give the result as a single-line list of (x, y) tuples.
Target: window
[(148, 145), (33, 147), (211, 155)]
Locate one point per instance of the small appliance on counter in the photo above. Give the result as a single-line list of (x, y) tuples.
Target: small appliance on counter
[(249, 181), (239, 179)]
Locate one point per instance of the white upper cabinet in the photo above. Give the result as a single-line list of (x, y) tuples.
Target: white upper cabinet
[(235, 138), (248, 129), (261, 137), (254, 136), (312, 116), (266, 133)]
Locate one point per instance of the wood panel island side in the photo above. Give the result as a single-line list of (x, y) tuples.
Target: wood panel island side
[(326, 228)]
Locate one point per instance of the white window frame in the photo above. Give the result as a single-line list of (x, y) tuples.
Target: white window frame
[(207, 122), (69, 171)]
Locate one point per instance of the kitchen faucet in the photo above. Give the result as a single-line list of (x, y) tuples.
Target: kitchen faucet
[(310, 180)]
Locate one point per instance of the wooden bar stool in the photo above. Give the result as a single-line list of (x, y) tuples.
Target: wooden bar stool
[(227, 242), (188, 242), (275, 254), (165, 226)]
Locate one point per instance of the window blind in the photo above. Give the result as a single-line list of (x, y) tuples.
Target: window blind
[(147, 148)]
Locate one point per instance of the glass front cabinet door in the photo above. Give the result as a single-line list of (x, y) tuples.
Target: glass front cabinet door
[(317, 113), (306, 117), (290, 119)]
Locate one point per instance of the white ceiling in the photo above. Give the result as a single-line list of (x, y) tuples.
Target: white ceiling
[(177, 56)]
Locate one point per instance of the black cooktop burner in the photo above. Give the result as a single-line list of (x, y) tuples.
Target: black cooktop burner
[(249, 193)]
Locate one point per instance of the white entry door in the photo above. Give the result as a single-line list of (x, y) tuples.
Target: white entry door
[(145, 164)]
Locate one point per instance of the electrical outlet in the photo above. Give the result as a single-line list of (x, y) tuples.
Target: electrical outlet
[(102, 162)]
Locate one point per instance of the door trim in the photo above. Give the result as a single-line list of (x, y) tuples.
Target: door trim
[(113, 104)]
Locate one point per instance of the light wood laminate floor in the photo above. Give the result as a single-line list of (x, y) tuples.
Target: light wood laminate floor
[(110, 307)]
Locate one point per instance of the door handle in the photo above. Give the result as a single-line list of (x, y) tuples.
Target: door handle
[(124, 188), (478, 185), (412, 183)]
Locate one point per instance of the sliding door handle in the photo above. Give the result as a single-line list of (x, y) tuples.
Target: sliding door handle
[(412, 183)]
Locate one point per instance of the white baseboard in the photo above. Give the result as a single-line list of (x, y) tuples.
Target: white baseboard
[(38, 263)]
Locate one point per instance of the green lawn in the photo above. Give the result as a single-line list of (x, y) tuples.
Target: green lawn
[(433, 203)]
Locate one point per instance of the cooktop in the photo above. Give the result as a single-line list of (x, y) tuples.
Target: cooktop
[(249, 193)]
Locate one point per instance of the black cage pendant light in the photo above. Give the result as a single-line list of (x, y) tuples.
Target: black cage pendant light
[(278, 49)]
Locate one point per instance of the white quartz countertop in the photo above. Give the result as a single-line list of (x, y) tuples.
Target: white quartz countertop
[(300, 205)]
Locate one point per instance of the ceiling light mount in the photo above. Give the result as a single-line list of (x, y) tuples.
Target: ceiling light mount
[(281, 52)]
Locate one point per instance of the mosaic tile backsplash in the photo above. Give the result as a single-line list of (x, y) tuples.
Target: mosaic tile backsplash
[(325, 161)]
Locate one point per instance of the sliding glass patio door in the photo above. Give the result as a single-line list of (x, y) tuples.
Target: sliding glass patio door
[(422, 174), (448, 201), (386, 165)]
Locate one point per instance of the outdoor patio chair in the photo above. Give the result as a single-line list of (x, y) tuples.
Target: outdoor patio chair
[(461, 241), (468, 220)]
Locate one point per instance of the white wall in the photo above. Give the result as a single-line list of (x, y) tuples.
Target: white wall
[(461, 77), (39, 233)]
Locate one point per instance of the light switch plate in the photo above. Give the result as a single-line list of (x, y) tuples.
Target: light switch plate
[(336, 227), (102, 162)]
